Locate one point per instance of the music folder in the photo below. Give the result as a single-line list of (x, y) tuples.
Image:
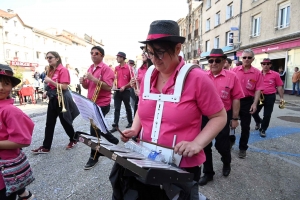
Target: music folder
[(89, 110)]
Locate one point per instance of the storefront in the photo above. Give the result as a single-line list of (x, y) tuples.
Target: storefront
[(284, 54)]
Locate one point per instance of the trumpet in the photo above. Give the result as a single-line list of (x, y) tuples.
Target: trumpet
[(282, 104), (261, 99), (60, 97)]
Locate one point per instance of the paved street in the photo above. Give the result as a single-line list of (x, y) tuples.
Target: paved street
[(270, 171)]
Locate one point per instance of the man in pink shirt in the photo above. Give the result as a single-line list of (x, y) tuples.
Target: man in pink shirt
[(272, 81), (99, 71), (252, 84), (230, 91), (123, 76)]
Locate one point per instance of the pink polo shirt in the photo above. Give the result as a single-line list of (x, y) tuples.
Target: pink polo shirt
[(228, 87), (15, 126), (141, 73), (250, 80), (199, 97), (104, 73), (271, 81), (123, 75), (61, 75)]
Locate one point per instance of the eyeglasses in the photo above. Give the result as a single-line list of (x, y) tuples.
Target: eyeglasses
[(217, 61), (249, 57), (265, 63), (96, 53), (157, 54), (49, 57)]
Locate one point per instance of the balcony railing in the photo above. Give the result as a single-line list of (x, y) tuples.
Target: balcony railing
[(195, 33), (189, 36)]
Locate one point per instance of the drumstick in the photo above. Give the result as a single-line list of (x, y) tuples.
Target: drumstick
[(140, 140)]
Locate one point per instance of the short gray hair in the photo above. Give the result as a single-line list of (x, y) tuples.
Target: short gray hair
[(249, 51)]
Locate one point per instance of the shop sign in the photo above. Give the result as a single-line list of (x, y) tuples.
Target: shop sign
[(23, 64)]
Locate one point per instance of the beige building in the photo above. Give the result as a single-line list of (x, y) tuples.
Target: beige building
[(272, 30)]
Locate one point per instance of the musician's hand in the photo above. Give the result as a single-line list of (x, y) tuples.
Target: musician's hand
[(132, 82), (81, 80), (187, 149), (129, 133), (234, 124), (89, 76), (137, 92), (122, 89), (253, 108), (47, 79), (44, 95)]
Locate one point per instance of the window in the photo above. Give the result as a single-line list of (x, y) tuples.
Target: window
[(255, 26), (227, 38), (190, 28), (284, 15), (15, 23), (217, 42), (229, 11), (207, 24), (16, 53), (207, 45), (217, 19), (7, 53), (196, 24), (208, 3), (38, 55), (7, 36)]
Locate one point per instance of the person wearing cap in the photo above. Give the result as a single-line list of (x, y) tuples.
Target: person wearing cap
[(98, 71), (16, 129), (272, 81), (135, 83), (58, 77), (230, 91), (252, 84), (181, 118), (228, 63), (123, 74)]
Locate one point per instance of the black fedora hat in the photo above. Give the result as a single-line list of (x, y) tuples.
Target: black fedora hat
[(6, 70), (216, 53), (164, 30), (131, 61), (122, 54), (265, 60)]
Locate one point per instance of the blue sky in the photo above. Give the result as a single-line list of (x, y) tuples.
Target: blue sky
[(119, 23)]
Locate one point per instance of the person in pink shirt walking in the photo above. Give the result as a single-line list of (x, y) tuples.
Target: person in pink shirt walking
[(182, 118), (230, 91), (272, 81), (252, 84), (98, 71), (16, 129)]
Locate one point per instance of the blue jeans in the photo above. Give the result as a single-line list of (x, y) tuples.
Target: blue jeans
[(296, 85)]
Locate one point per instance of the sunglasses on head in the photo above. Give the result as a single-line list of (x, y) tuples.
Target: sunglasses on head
[(211, 61), (249, 57), (49, 57), (95, 53), (265, 63)]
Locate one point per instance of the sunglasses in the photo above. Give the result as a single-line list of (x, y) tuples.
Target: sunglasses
[(96, 53), (211, 61), (49, 57), (157, 54), (265, 63), (249, 57)]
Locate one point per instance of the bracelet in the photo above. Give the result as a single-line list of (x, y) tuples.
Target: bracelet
[(235, 118)]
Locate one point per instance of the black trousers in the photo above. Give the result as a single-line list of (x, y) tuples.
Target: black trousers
[(13, 196), (222, 144), (78, 88), (108, 136), (268, 105), (53, 112), (245, 118), (118, 98), (136, 104)]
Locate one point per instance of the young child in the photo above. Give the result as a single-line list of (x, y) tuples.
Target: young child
[(15, 129)]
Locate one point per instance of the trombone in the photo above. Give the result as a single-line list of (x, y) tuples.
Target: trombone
[(261, 99), (282, 104), (60, 97)]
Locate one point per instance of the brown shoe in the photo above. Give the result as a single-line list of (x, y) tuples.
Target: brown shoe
[(40, 150), (71, 145)]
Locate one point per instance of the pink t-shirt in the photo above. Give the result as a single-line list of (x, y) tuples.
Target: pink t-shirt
[(271, 81), (199, 97), (141, 73), (250, 80), (105, 74), (15, 126), (123, 75), (61, 75), (228, 87)]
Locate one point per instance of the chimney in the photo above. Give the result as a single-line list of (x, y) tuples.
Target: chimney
[(10, 11)]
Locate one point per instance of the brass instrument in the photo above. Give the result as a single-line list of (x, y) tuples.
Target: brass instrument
[(261, 98), (282, 104), (115, 83), (96, 91), (60, 97)]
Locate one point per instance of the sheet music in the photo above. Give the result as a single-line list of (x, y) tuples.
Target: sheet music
[(89, 110)]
